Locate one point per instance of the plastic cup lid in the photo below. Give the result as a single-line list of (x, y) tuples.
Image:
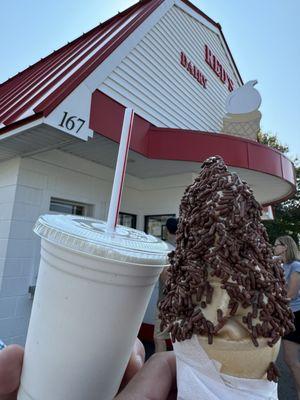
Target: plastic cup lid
[(88, 235)]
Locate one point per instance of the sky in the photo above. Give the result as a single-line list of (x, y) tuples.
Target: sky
[(263, 36)]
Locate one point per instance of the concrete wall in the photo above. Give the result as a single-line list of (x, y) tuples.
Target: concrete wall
[(26, 187), (14, 255)]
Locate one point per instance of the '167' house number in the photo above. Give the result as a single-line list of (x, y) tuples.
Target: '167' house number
[(72, 123)]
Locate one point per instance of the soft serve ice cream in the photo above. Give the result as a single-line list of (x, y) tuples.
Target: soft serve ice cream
[(224, 285)]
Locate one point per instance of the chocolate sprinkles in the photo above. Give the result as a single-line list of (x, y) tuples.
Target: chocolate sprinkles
[(273, 373), (220, 235)]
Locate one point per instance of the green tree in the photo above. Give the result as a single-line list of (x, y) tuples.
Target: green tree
[(287, 214), (271, 140)]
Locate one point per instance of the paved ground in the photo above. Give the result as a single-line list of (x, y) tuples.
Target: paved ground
[(286, 390)]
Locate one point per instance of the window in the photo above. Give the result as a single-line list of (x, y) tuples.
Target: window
[(126, 219), (155, 225), (69, 207)]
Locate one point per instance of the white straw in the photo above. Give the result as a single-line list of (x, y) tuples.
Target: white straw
[(116, 193)]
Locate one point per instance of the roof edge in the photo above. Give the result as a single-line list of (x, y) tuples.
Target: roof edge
[(229, 51), (20, 123), (219, 27), (198, 11), (51, 102), (91, 31), (48, 104)]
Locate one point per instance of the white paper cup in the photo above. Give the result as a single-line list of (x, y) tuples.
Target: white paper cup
[(87, 310)]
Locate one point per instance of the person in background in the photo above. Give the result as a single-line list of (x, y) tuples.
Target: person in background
[(158, 336), (287, 250)]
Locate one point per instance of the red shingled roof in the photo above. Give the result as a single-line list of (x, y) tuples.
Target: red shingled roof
[(40, 88)]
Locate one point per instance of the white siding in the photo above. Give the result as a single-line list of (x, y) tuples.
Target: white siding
[(152, 80), (56, 174), (8, 181), (9, 285)]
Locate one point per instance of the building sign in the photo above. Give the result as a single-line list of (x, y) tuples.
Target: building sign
[(218, 69), (192, 69), (214, 64)]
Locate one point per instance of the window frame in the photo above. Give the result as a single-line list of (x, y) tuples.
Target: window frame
[(87, 208), (121, 213), (163, 232)]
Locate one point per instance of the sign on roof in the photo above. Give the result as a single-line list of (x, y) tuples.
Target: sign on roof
[(136, 59), (179, 75)]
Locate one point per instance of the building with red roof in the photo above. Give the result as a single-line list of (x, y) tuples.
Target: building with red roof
[(60, 124)]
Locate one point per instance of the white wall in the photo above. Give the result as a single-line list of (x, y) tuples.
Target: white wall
[(162, 196), (13, 274), (56, 174), (152, 81), (8, 181)]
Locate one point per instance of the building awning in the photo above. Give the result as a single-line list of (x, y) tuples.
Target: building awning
[(157, 152), (32, 111), (269, 172)]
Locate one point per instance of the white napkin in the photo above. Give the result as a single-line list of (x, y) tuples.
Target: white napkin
[(199, 378)]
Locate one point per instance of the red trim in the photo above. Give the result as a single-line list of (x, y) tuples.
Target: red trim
[(12, 114), (237, 152), (22, 122), (21, 92), (229, 51), (70, 84), (146, 334), (109, 124), (287, 173), (56, 64), (194, 8), (282, 199), (21, 74), (187, 145), (124, 167), (35, 74), (16, 87), (177, 144), (217, 25)]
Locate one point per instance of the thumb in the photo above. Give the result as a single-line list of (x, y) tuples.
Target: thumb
[(11, 360)]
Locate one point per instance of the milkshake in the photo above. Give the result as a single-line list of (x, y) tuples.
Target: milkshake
[(92, 292)]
